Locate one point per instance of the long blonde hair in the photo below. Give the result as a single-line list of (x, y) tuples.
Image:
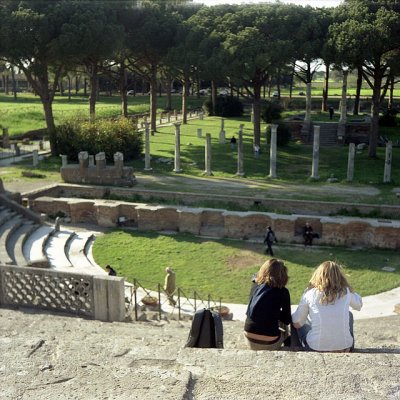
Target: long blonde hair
[(329, 279), (274, 273)]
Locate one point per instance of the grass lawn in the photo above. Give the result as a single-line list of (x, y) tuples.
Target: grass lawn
[(26, 112), (223, 268), (293, 162)]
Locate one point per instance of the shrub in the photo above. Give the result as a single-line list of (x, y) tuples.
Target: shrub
[(388, 118), (226, 106), (108, 136), (283, 135), (271, 111)]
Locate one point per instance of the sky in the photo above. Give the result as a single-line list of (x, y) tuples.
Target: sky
[(313, 3)]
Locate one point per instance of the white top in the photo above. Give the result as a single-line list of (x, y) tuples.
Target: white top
[(330, 328)]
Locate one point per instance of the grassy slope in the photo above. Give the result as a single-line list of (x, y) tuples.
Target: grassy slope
[(224, 267)]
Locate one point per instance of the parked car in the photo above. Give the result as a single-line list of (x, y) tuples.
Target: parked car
[(224, 92), (130, 92), (275, 94), (204, 92)]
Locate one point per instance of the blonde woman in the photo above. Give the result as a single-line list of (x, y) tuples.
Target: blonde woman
[(268, 311), (323, 318)]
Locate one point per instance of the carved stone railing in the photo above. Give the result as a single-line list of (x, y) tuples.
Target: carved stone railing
[(98, 297)]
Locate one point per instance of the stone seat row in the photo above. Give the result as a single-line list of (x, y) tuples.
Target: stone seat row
[(24, 242)]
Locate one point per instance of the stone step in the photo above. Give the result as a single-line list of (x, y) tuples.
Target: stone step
[(33, 248), (148, 360), (6, 215), (6, 230), (55, 250), (77, 254), (16, 242)]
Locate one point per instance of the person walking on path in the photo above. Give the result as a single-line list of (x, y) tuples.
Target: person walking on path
[(233, 143), (323, 319), (170, 285), (269, 239)]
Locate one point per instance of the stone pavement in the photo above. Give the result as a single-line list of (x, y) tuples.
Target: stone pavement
[(45, 356)]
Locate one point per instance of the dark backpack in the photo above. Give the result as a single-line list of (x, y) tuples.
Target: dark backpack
[(206, 330)]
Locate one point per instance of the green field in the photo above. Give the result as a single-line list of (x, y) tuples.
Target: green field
[(223, 268)]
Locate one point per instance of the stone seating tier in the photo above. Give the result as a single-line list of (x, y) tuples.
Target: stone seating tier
[(52, 356)]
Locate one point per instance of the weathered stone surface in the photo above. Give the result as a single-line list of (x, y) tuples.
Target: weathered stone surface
[(56, 357), (344, 231)]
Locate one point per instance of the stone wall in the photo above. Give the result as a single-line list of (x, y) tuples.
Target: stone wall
[(345, 231), (98, 173), (97, 297), (276, 205)]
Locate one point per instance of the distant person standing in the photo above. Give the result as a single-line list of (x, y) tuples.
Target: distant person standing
[(111, 271), (269, 239), (256, 149), (331, 110), (308, 234), (233, 143), (170, 285)]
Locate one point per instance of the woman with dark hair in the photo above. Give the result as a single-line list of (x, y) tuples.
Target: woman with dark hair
[(268, 312), (323, 318)]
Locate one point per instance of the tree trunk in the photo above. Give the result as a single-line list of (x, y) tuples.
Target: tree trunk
[(85, 87), (69, 87), (61, 87), (123, 84), (77, 84), (376, 103), (391, 91), (14, 84), (168, 103), (153, 99), (326, 89), (7, 85), (257, 112), (185, 93), (291, 86), (358, 90), (213, 96), (51, 128), (93, 91)]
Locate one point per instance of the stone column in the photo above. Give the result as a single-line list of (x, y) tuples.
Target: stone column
[(315, 161), (177, 165), (222, 132), (91, 161), (240, 169), (176, 115), (241, 127), (17, 150), (169, 117), (119, 161), (83, 158), (208, 155), (6, 139), (64, 160), (341, 133), (387, 175), (201, 116), (199, 132), (100, 162), (252, 114), (35, 158), (350, 162), (41, 145), (147, 156), (307, 117), (272, 152)]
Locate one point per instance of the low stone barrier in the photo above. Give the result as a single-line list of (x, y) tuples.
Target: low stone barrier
[(345, 231), (98, 297)]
